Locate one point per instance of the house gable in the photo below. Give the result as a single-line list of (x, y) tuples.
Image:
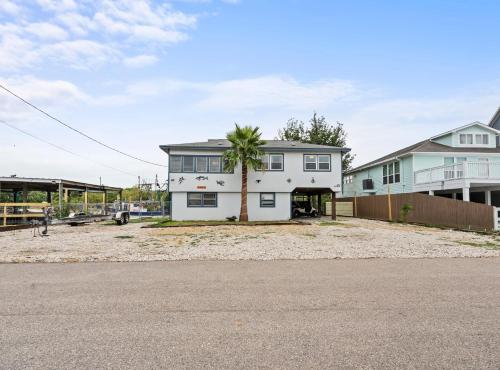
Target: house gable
[(474, 135)]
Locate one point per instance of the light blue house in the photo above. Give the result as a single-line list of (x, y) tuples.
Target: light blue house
[(463, 163)]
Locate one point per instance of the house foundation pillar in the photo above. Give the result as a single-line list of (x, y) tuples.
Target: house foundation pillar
[(334, 206), (487, 197), (453, 195), (466, 194), (431, 192)]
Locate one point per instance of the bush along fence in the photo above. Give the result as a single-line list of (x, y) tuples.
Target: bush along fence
[(426, 209)]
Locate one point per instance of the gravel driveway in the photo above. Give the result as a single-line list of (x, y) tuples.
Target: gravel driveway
[(347, 238)]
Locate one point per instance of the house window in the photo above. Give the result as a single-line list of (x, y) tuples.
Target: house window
[(482, 139), (348, 179), (202, 199), (466, 138), (188, 164), (267, 200), (175, 163), (201, 164), (310, 162), (272, 162), (317, 162), (214, 164), (391, 173), (276, 162)]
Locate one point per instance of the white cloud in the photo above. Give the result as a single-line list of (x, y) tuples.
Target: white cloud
[(81, 54), (275, 91), (103, 29), (47, 31), (48, 94), (149, 33), (16, 52), (140, 61), (9, 7), (57, 5), (76, 23)]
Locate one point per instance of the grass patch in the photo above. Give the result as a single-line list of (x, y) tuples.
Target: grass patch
[(124, 237), (334, 223), (487, 245)]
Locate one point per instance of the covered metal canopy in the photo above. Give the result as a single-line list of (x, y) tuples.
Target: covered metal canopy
[(50, 185)]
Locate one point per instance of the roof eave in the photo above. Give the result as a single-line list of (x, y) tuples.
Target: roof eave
[(167, 148), (364, 167)]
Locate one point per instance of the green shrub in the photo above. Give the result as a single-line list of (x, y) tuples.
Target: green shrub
[(404, 211)]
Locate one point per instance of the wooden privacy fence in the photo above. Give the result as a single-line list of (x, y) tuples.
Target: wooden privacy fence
[(342, 208), (426, 209)]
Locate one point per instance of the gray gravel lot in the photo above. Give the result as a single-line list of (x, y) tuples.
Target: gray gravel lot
[(348, 238), (440, 313)]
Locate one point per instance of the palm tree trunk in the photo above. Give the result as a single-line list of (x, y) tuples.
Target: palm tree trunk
[(243, 209)]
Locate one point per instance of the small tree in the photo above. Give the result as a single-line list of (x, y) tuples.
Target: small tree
[(245, 149), (319, 132)]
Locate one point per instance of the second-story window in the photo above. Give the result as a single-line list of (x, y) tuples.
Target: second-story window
[(466, 139), (391, 173), (482, 139), (272, 162), (175, 163), (197, 163), (188, 164), (201, 164), (214, 164), (317, 162)]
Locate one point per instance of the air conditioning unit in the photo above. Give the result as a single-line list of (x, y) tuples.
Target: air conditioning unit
[(367, 184)]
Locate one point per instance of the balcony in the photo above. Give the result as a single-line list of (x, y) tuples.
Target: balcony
[(482, 171)]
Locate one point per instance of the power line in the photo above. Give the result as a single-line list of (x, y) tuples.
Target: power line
[(63, 149), (76, 130)]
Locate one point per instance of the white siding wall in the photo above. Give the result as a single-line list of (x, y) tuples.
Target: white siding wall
[(275, 181), (228, 204), (279, 213)]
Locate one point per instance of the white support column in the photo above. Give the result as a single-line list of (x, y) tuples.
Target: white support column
[(466, 194), (431, 192), (487, 197), (453, 195)]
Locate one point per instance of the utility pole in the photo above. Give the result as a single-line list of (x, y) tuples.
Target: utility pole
[(389, 205), (140, 197)]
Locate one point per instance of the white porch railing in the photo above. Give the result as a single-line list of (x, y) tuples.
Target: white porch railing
[(465, 170)]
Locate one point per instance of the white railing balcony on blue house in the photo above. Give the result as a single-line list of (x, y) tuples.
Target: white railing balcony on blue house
[(481, 170)]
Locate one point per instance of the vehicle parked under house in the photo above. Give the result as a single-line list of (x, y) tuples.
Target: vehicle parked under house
[(201, 189)]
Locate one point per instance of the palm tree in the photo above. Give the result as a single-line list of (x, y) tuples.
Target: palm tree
[(245, 149)]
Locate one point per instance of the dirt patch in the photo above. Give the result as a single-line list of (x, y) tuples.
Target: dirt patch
[(323, 238)]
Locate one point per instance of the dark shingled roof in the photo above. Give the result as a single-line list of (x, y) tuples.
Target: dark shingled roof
[(426, 146), (495, 118), (283, 145)]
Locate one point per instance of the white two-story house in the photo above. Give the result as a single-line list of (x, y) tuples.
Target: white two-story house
[(201, 189)]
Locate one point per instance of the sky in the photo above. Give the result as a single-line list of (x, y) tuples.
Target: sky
[(139, 73)]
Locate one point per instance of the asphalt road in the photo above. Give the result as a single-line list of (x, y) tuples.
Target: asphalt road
[(385, 313)]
